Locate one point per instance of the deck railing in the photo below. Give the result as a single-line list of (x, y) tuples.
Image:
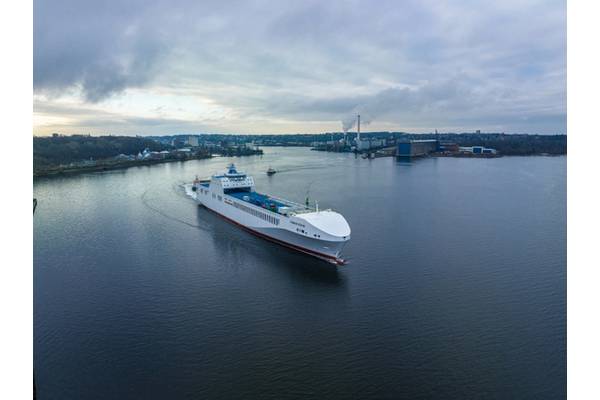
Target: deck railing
[(298, 208)]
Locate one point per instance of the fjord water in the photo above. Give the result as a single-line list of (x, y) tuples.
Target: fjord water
[(455, 286)]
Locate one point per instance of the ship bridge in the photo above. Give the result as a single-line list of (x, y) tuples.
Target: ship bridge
[(233, 181), (241, 186)]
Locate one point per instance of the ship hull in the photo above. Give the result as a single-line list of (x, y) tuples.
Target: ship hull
[(327, 251), (283, 234)]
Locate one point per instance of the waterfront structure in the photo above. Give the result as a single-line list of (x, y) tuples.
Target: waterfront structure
[(368, 143), (416, 148), (449, 147), (155, 155), (477, 150), (124, 157), (319, 233)]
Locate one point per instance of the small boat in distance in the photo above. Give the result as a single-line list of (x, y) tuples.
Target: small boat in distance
[(271, 171), (319, 233)]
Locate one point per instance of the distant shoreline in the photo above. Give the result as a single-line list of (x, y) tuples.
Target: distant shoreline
[(66, 171), (68, 155)]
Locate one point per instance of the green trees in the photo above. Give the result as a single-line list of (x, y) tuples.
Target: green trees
[(67, 149)]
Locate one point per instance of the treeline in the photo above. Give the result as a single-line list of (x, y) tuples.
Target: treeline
[(58, 150), (507, 144), (515, 145)]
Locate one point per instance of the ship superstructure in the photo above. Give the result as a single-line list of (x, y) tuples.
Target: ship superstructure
[(232, 195)]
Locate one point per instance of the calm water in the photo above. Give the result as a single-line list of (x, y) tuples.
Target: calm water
[(456, 286)]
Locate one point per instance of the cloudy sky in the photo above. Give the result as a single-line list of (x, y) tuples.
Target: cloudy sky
[(166, 67)]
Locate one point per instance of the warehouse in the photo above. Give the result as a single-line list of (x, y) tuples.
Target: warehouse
[(416, 148)]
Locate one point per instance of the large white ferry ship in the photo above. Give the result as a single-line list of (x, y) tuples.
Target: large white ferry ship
[(320, 233)]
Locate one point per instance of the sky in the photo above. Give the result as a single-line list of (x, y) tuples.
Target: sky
[(178, 67)]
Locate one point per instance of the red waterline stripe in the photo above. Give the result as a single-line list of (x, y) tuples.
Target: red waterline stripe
[(313, 253)]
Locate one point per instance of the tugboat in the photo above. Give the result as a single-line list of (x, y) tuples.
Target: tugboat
[(271, 171)]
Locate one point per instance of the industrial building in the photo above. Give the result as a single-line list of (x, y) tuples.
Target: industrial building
[(477, 150), (449, 147), (417, 148), (366, 144)]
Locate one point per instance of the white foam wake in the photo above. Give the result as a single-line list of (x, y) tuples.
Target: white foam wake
[(187, 187)]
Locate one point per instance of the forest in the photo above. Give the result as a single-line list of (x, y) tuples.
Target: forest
[(56, 150)]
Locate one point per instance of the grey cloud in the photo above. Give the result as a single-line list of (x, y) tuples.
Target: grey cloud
[(100, 47), (452, 101), (416, 62), (90, 120)]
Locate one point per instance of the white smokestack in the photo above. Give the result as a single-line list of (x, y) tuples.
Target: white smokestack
[(358, 128)]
